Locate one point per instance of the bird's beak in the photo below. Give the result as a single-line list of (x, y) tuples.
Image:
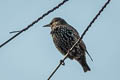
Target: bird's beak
[(48, 25)]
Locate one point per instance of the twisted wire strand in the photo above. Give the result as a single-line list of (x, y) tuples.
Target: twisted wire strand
[(34, 22)]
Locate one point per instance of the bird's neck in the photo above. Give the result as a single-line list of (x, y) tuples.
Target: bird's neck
[(54, 29)]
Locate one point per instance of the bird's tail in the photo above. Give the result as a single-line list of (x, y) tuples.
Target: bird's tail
[(82, 61)]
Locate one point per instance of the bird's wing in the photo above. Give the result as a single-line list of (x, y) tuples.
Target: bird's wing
[(82, 44)]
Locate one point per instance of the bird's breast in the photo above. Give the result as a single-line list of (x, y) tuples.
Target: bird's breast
[(63, 39)]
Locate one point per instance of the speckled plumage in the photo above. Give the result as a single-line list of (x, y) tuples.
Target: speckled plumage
[(64, 36)]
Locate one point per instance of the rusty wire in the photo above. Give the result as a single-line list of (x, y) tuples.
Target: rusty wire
[(90, 24), (34, 22)]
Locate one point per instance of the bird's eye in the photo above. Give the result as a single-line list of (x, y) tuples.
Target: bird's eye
[(51, 23)]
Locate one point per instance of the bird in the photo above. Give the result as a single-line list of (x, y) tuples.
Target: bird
[(64, 37)]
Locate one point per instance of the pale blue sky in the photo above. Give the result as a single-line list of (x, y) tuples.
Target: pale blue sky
[(33, 56)]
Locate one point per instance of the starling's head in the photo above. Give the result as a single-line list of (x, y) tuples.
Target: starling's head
[(55, 22)]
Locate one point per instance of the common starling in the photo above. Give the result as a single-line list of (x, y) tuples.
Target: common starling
[(64, 36)]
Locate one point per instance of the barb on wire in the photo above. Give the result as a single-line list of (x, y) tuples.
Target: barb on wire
[(14, 32), (34, 22), (90, 24)]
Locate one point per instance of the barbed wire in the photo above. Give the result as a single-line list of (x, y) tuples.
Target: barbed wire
[(90, 24), (34, 22)]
